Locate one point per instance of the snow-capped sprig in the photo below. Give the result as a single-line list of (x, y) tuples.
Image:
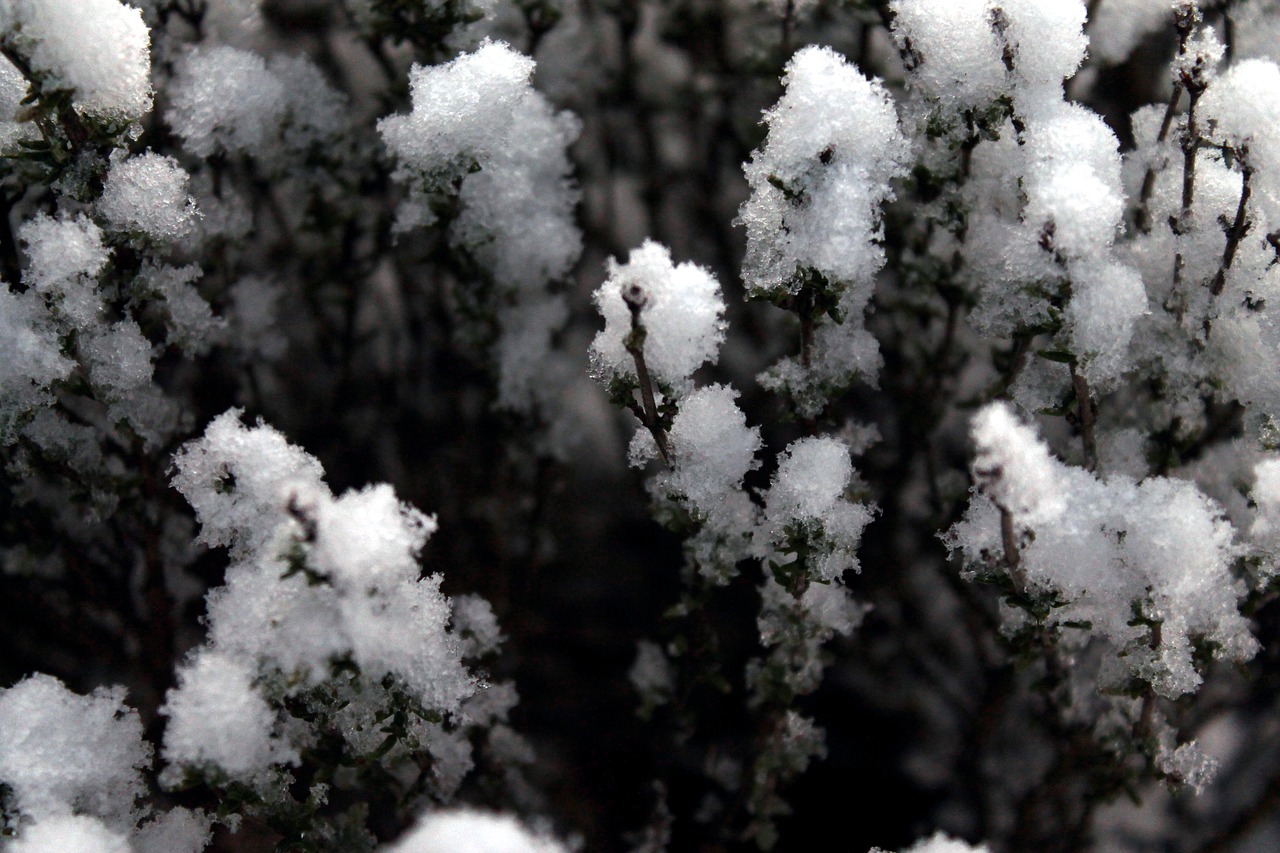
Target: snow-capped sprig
[(485, 154), (813, 220), (95, 51), (1146, 567), (662, 321), (323, 614), (810, 526)]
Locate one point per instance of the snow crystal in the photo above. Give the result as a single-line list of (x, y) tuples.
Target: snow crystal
[(191, 324), (478, 128), (681, 310), (33, 357), (368, 539), (13, 88), (1264, 534), (63, 753), (652, 674), (234, 478), (315, 578), (99, 49), (147, 194), (1242, 110), (176, 831), (118, 357), (69, 834), (471, 831), (1107, 299), (712, 448), (517, 210), (476, 626), (1073, 179), (1047, 40)]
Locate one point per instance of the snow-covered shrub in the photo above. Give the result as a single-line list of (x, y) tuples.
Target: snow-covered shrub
[(978, 533)]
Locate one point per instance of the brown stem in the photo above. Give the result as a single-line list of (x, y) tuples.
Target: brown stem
[(634, 343), (1143, 218), (1088, 418), (1012, 554), (1236, 233), (1146, 719)]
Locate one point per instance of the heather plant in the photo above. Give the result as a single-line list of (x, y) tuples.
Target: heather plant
[(542, 425)]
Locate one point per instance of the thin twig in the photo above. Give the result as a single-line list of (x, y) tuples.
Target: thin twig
[(634, 342), (1088, 417), (1143, 217), (1237, 232)]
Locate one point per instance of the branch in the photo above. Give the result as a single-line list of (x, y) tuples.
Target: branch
[(1088, 417), (634, 342), (1237, 232)]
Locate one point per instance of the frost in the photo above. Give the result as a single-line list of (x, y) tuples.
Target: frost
[(98, 49), (680, 309), (147, 194), (471, 831)]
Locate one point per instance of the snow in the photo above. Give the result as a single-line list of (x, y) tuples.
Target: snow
[(63, 753), (98, 49), (712, 448), (1109, 549), (472, 831), (681, 310), (148, 194), (217, 719)]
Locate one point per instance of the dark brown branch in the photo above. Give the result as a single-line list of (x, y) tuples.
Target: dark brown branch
[(1088, 418), (634, 343), (1237, 232), (1143, 217)]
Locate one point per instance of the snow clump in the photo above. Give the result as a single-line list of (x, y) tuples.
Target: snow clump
[(680, 309), (100, 50)]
